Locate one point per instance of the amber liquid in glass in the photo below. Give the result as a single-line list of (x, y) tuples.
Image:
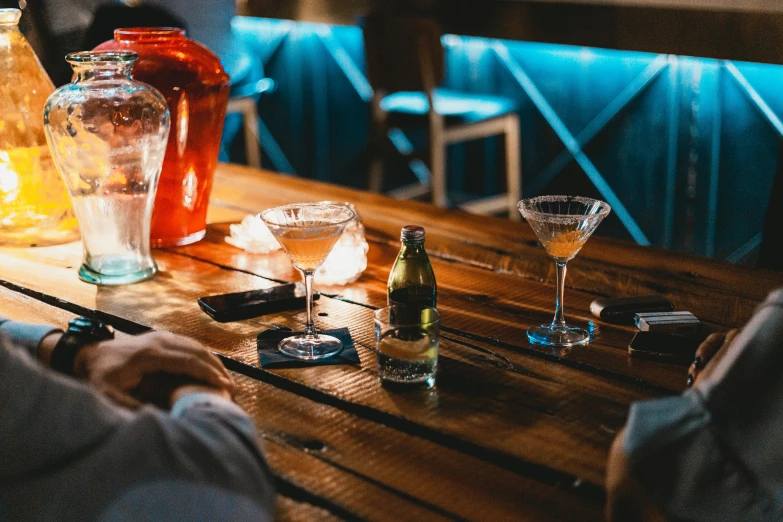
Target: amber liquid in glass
[(565, 245), (33, 195), (308, 247), (34, 204)]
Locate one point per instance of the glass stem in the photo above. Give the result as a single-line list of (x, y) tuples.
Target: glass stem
[(559, 320), (310, 325)]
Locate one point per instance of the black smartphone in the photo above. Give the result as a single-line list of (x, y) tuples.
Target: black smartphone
[(664, 347), (246, 305), (622, 310)]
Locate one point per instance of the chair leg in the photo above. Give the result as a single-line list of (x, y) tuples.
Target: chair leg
[(378, 136), (438, 162), (250, 118), (513, 167), (376, 175)]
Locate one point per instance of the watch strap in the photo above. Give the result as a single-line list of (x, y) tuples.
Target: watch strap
[(81, 332)]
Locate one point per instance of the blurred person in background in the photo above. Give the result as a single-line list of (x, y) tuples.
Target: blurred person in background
[(58, 27)]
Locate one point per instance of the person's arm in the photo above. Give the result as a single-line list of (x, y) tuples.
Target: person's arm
[(45, 415), (56, 428), (707, 453), (29, 336), (117, 366), (151, 365)]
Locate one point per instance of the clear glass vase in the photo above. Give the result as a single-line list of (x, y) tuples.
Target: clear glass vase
[(34, 205), (108, 133)]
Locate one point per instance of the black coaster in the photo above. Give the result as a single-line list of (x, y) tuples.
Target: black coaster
[(270, 357)]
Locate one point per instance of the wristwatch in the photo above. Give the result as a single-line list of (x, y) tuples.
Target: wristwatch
[(81, 332)]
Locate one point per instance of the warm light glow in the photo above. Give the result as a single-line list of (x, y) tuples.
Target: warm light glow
[(30, 188), (345, 263), (9, 180), (189, 189), (34, 205), (182, 124), (348, 259)]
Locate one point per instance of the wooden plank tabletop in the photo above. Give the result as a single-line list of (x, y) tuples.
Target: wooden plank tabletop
[(512, 430)]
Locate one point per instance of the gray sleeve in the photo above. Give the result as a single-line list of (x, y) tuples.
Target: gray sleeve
[(26, 335), (45, 416), (713, 453), (206, 442), (231, 436), (56, 431), (745, 394), (676, 453), (213, 405)]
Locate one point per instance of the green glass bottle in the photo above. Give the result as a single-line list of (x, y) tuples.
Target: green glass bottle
[(412, 280)]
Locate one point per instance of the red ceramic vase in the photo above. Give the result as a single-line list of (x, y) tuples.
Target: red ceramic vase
[(196, 88)]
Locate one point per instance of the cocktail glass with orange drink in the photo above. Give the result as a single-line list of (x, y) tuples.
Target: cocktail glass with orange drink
[(563, 224), (307, 232)]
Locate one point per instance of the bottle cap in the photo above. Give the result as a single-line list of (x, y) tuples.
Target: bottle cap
[(412, 234)]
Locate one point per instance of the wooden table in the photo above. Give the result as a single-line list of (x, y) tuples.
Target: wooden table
[(512, 430)]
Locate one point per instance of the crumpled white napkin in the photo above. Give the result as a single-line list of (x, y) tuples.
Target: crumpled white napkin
[(347, 260), (253, 236)]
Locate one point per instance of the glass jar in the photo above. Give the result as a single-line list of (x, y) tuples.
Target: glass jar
[(196, 87), (34, 206), (108, 136)]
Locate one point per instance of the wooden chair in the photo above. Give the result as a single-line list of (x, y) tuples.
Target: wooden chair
[(405, 65)]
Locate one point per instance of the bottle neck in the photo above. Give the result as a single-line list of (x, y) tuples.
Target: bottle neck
[(152, 35), (411, 248), (9, 19), (102, 72)]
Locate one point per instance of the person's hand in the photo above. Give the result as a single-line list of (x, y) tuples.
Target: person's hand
[(708, 354), (116, 367)]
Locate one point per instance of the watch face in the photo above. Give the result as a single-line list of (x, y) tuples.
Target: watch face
[(92, 329)]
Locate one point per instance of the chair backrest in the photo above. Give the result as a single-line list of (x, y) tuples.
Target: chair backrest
[(403, 54)]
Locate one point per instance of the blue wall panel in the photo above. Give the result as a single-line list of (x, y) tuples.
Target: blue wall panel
[(685, 148)]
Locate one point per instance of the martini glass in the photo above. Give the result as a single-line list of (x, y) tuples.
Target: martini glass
[(563, 224), (307, 232)]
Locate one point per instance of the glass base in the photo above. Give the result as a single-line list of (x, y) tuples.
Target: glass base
[(427, 383), (181, 241), (548, 335), (310, 347), (405, 373), (89, 275)]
